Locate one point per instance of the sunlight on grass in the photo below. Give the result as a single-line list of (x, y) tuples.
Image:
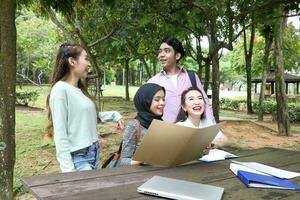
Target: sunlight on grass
[(108, 91), (295, 128), (119, 91), (33, 153), (237, 115)]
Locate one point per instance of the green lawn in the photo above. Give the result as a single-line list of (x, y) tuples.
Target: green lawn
[(238, 115), (118, 91), (108, 91), (32, 151)]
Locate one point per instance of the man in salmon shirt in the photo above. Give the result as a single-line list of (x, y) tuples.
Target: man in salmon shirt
[(175, 79)]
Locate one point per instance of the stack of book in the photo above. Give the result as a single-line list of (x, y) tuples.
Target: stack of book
[(257, 175)]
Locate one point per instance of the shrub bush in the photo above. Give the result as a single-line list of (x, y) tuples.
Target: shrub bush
[(24, 97), (269, 107)]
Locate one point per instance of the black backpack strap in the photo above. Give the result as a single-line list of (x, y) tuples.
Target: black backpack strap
[(192, 77)]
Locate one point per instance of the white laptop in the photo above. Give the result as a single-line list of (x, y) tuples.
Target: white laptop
[(179, 189)]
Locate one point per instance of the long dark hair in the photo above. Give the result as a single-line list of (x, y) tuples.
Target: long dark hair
[(60, 70), (182, 115)]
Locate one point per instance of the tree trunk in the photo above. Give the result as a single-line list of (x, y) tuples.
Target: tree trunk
[(7, 97), (265, 68), (133, 75), (154, 66), (127, 79), (207, 75), (199, 57), (249, 87), (282, 108), (248, 61), (214, 55), (199, 70), (215, 86), (143, 61)]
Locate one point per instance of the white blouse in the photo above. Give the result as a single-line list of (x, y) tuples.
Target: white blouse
[(205, 122)]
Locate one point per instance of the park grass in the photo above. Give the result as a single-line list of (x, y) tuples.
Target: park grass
[(108, 91), (118, 91), (32, 151), (237, 115), (295, 128)]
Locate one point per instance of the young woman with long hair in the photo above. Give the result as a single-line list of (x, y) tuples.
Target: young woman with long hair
[(192, 114), (72, 113)]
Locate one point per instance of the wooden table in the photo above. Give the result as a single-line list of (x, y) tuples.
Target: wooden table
[(122, 183)]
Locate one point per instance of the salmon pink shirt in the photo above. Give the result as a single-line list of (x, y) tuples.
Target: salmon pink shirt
[(173, 93)]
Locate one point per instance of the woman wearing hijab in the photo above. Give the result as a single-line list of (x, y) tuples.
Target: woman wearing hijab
[(149, 102)]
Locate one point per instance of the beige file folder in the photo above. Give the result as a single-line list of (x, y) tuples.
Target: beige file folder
[(169, 144)]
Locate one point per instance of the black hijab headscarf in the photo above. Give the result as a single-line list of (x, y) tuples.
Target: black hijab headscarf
[(142, 101)]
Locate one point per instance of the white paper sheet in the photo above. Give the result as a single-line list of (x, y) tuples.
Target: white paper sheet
[(217, 154), (235, 167), (269, 170)]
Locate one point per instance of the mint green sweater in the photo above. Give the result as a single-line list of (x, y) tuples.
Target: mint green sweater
[(74, 122)]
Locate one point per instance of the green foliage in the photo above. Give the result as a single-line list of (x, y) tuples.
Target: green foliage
[(233, 104), (24, 97), (37, 41), (291, 50), (294, 112), (227, 73), (269, 106)]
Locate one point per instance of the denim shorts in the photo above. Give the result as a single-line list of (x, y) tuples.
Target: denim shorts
[(87, 158)]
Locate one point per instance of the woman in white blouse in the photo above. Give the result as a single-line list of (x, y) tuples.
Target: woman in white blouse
[(192, 114)]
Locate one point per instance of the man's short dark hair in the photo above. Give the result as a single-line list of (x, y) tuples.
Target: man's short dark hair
[(176, 44)]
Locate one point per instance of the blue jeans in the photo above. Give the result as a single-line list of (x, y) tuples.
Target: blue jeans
[(87, 158)]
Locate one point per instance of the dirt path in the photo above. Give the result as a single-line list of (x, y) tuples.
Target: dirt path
[(252, 135)]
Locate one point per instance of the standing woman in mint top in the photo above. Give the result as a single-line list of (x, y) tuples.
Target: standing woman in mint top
[(175, 79), (72, 113)]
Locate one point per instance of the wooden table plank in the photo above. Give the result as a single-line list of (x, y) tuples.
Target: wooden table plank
[(121, 183), (65, 177)]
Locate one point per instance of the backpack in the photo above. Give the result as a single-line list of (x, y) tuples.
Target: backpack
[(192, 76), (114, 158)]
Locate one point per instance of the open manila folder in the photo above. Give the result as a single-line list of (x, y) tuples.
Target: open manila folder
[(169, 144)]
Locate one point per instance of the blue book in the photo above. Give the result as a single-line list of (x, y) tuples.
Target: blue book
[(265, 181)]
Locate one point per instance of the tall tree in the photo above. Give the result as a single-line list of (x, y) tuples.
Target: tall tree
[(7, 97), (248, 61), (267, 33), (126, 64), (281, 99)]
